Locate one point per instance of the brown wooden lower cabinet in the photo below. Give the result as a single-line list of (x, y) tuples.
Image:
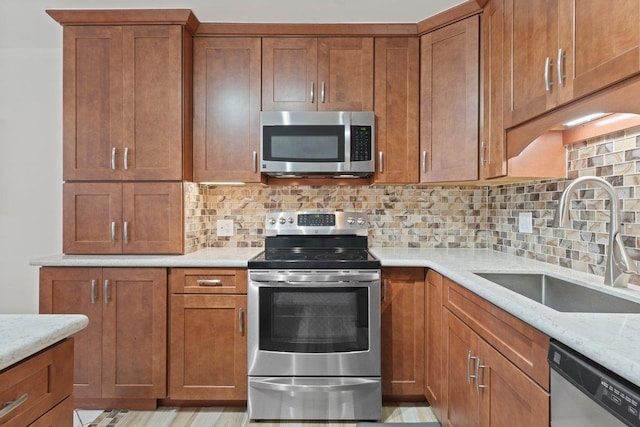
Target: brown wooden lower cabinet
[(434, 349), (44, 382), (208, 335), (484, 367), (483, 388), (402, 332), (120, 358)]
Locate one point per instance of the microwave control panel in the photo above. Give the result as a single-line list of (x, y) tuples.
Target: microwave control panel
[(360, 143)]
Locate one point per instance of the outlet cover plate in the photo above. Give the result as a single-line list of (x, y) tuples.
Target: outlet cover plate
[(525, 222), (224, 227)]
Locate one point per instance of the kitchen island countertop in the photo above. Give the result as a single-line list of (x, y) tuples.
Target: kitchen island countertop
[(22, 335)]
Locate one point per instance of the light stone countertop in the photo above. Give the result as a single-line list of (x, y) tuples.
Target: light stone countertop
[(613, 340), (22, 335), (204, 258)]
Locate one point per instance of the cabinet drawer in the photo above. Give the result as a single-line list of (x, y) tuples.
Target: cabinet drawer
[(39, 382), (207, 281), (523, 345)]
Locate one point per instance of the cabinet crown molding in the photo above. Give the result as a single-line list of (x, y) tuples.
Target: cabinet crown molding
[(183, 17)]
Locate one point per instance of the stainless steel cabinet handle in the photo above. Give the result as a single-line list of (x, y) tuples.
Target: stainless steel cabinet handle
[(93, 291), (125, 232), (322, 92), (479, 386), (241, 321), (559, 67), (424, 161), (12, 405), (384, 290), (209, 282), (469, 364), (255, 161), (126, 158), (380, 163), (547, 68), (312, 92), (113, 158), (482, 153), (113, 231), (105, 293)]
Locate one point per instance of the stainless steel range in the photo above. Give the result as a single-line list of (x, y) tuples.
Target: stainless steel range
[(314, 320)]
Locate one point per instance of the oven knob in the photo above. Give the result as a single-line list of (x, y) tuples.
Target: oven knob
[(290, 220), (282, 220), (360, 221), (351, 220), (272, 220)]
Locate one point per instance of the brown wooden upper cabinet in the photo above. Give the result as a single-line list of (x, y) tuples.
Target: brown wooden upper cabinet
[(126, 99), (226, 118), (449, 100), (397, 69), (562, 50), (324, 74), (115, 217)]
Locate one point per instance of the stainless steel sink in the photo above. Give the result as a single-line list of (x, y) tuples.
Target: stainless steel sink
[(562, 295)]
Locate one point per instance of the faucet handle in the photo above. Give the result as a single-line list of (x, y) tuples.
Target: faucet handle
[(621, 258)]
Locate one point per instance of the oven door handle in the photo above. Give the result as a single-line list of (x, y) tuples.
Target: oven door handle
[(285, 385), (297, 279)]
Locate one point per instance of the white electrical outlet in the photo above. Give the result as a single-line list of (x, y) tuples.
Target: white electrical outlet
[(224, 227), (525, 222)]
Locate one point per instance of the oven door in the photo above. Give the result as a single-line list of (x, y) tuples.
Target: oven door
[(307, 323)]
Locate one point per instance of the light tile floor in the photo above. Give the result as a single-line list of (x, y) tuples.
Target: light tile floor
[(232, 417)]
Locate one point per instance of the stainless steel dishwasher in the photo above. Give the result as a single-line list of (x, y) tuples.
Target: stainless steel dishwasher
[(585, 394)]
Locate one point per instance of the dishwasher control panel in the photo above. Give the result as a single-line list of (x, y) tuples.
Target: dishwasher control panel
[(618, 396)]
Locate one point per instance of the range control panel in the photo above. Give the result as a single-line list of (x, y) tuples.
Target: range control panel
[(319, 223)]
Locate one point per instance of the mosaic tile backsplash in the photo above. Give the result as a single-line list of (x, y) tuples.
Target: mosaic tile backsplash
[(450, 217)]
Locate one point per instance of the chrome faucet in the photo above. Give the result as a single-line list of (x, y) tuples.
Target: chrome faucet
[(620, 266)]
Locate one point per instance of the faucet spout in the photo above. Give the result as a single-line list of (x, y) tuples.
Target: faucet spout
[(619, 266)]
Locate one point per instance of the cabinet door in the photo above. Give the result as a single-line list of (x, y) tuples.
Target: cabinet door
[(134, 333), (602, 42), (78, 291), (531, 34), (227, 81), (345, 74), (402, 331), (152, 218), (92, 218), (462, 400), (153, 102), (449, 100), (289, 74), (92, 98), (396, 107), (434, 351), (507, 396), (208, 347), (493, 149)]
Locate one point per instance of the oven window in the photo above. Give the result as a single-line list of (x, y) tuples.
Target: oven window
[(303, 143), (314, 320)]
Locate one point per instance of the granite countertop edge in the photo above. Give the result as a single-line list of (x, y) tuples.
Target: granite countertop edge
[(23, 335)]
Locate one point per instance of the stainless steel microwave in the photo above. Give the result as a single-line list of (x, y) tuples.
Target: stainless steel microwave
[(317, 143)]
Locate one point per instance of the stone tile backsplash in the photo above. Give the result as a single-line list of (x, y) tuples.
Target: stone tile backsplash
[(449, 217)]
